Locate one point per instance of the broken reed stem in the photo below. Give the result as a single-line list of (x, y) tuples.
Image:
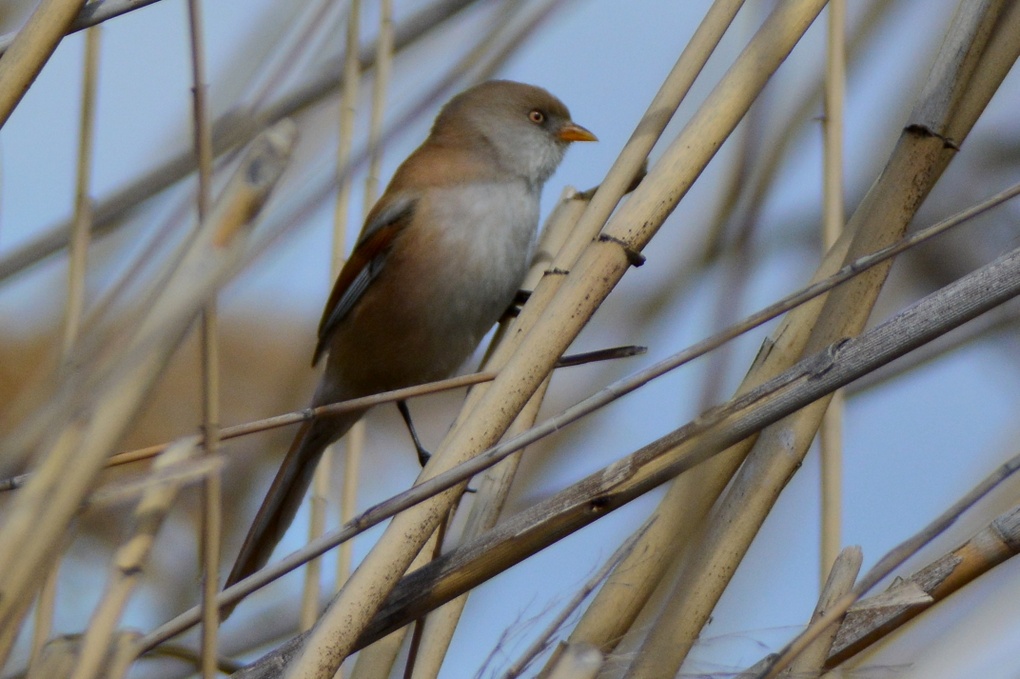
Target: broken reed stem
[(840, 580), (786, 343), (980, 46), (591, 498), (895, 557), (816, 289), (947, 108), (129, 564), (872, 619), (522, 535)]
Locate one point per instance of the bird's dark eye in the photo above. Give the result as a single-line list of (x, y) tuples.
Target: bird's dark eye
[(536, 117)]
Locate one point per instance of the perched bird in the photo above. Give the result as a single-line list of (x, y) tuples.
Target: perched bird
[(440, 258)]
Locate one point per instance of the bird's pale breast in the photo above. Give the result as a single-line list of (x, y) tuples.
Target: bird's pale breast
[(472, 244)]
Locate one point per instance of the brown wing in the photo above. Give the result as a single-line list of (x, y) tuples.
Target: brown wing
[(431, 165), (364, 264)]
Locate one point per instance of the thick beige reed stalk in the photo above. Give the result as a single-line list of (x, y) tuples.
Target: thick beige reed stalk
[(955, 92), (31, 49), (100, 398), (600, 267)]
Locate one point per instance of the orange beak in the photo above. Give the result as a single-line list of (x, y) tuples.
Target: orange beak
[(574, 132)]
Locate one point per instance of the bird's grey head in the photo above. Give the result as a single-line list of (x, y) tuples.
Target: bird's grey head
[(525, 128)]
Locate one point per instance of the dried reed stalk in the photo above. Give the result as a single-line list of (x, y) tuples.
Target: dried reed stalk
[(494, 486), (602, 263), (320, 491), (591, 498), (212, 486), (97, 400), (76, 270), (619, 600), (31, 49), (840, 580), (129, 564), (874, 618), (355, 440), (946, 110), (689, 498), (830, 434)]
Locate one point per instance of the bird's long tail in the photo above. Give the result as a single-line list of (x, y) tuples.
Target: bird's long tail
[(286, 493)]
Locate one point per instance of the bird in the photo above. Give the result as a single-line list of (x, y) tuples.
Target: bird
[(440, 258)]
